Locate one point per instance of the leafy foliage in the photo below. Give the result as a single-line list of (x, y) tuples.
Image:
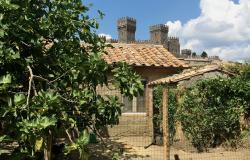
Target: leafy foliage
[(243, 70), (194, 54), (157, 102), (204, 54), (210, 111), (50, 66)]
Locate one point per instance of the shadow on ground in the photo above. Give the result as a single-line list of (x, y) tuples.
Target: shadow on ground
[(113, 149)]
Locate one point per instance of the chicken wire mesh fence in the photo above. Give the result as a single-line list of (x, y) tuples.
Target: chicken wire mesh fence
[(132, 139)]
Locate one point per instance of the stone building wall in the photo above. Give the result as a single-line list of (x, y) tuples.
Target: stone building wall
[(135, 123), (195, 79)]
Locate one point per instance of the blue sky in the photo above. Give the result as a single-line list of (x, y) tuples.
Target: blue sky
[(219, 27), (146, 12)]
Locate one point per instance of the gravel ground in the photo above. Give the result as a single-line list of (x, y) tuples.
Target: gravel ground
[(132, 148)]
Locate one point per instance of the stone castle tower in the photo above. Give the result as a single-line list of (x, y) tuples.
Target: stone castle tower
[(126, 27), (173, 45), (158, 34)]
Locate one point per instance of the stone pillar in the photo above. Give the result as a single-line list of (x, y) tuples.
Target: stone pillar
[(165, 126)]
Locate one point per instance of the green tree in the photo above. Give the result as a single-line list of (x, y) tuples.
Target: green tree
[(194, 54), (204, 54), (50, 66)]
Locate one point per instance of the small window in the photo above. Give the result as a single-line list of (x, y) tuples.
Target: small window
[(141, 103), (127, 105), (137, 104)]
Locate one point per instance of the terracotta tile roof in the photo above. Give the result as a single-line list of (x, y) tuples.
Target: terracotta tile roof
[(142, 55), (187, 74)]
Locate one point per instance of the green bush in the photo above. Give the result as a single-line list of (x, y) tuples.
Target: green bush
[(210, 111)]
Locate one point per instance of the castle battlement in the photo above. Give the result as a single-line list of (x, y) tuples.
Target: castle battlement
[(102, 37), (113, 40), (143, 41), (214, 57), (130, 42), (126, 27), (126, 21), (173, 38), (161, 27)]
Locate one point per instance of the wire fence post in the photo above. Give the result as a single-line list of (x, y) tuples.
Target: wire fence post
[(149, 102), (165, 124)]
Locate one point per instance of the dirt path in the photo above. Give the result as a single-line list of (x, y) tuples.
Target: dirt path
[(133, 148)]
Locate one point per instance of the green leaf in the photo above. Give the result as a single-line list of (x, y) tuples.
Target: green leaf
[(2, 138), (6, 79), (83, 139), (46, 121), (38, 144), (19, 99), (1, 33)]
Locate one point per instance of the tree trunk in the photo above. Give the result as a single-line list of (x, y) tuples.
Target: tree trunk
[(48, 146)]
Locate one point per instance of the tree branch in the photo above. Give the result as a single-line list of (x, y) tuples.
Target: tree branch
[(60, 76), (69, 136), (94, 129), (34, 88), (67, 100), (32, 84), (41, 78), (29, 90)]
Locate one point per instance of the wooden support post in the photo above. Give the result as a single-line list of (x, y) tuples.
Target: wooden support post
[(149, 103), (179, 135), (243, 122), (165, 124)]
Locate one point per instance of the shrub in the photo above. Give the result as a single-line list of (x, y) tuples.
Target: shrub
[(210, 111)]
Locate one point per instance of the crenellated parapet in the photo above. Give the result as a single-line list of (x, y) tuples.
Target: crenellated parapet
[(159, 27), (143, 42), (173, 38), (103, 37), (112, 40), (127, 19), (129, 42), (214, 57), (126, 22), (199, 57)]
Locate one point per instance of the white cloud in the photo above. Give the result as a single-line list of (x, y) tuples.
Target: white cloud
[(105, 35), (176, 28), (223, 28)]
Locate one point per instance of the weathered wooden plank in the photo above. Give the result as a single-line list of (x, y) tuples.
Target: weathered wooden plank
[(149, 104), (165, 124)]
